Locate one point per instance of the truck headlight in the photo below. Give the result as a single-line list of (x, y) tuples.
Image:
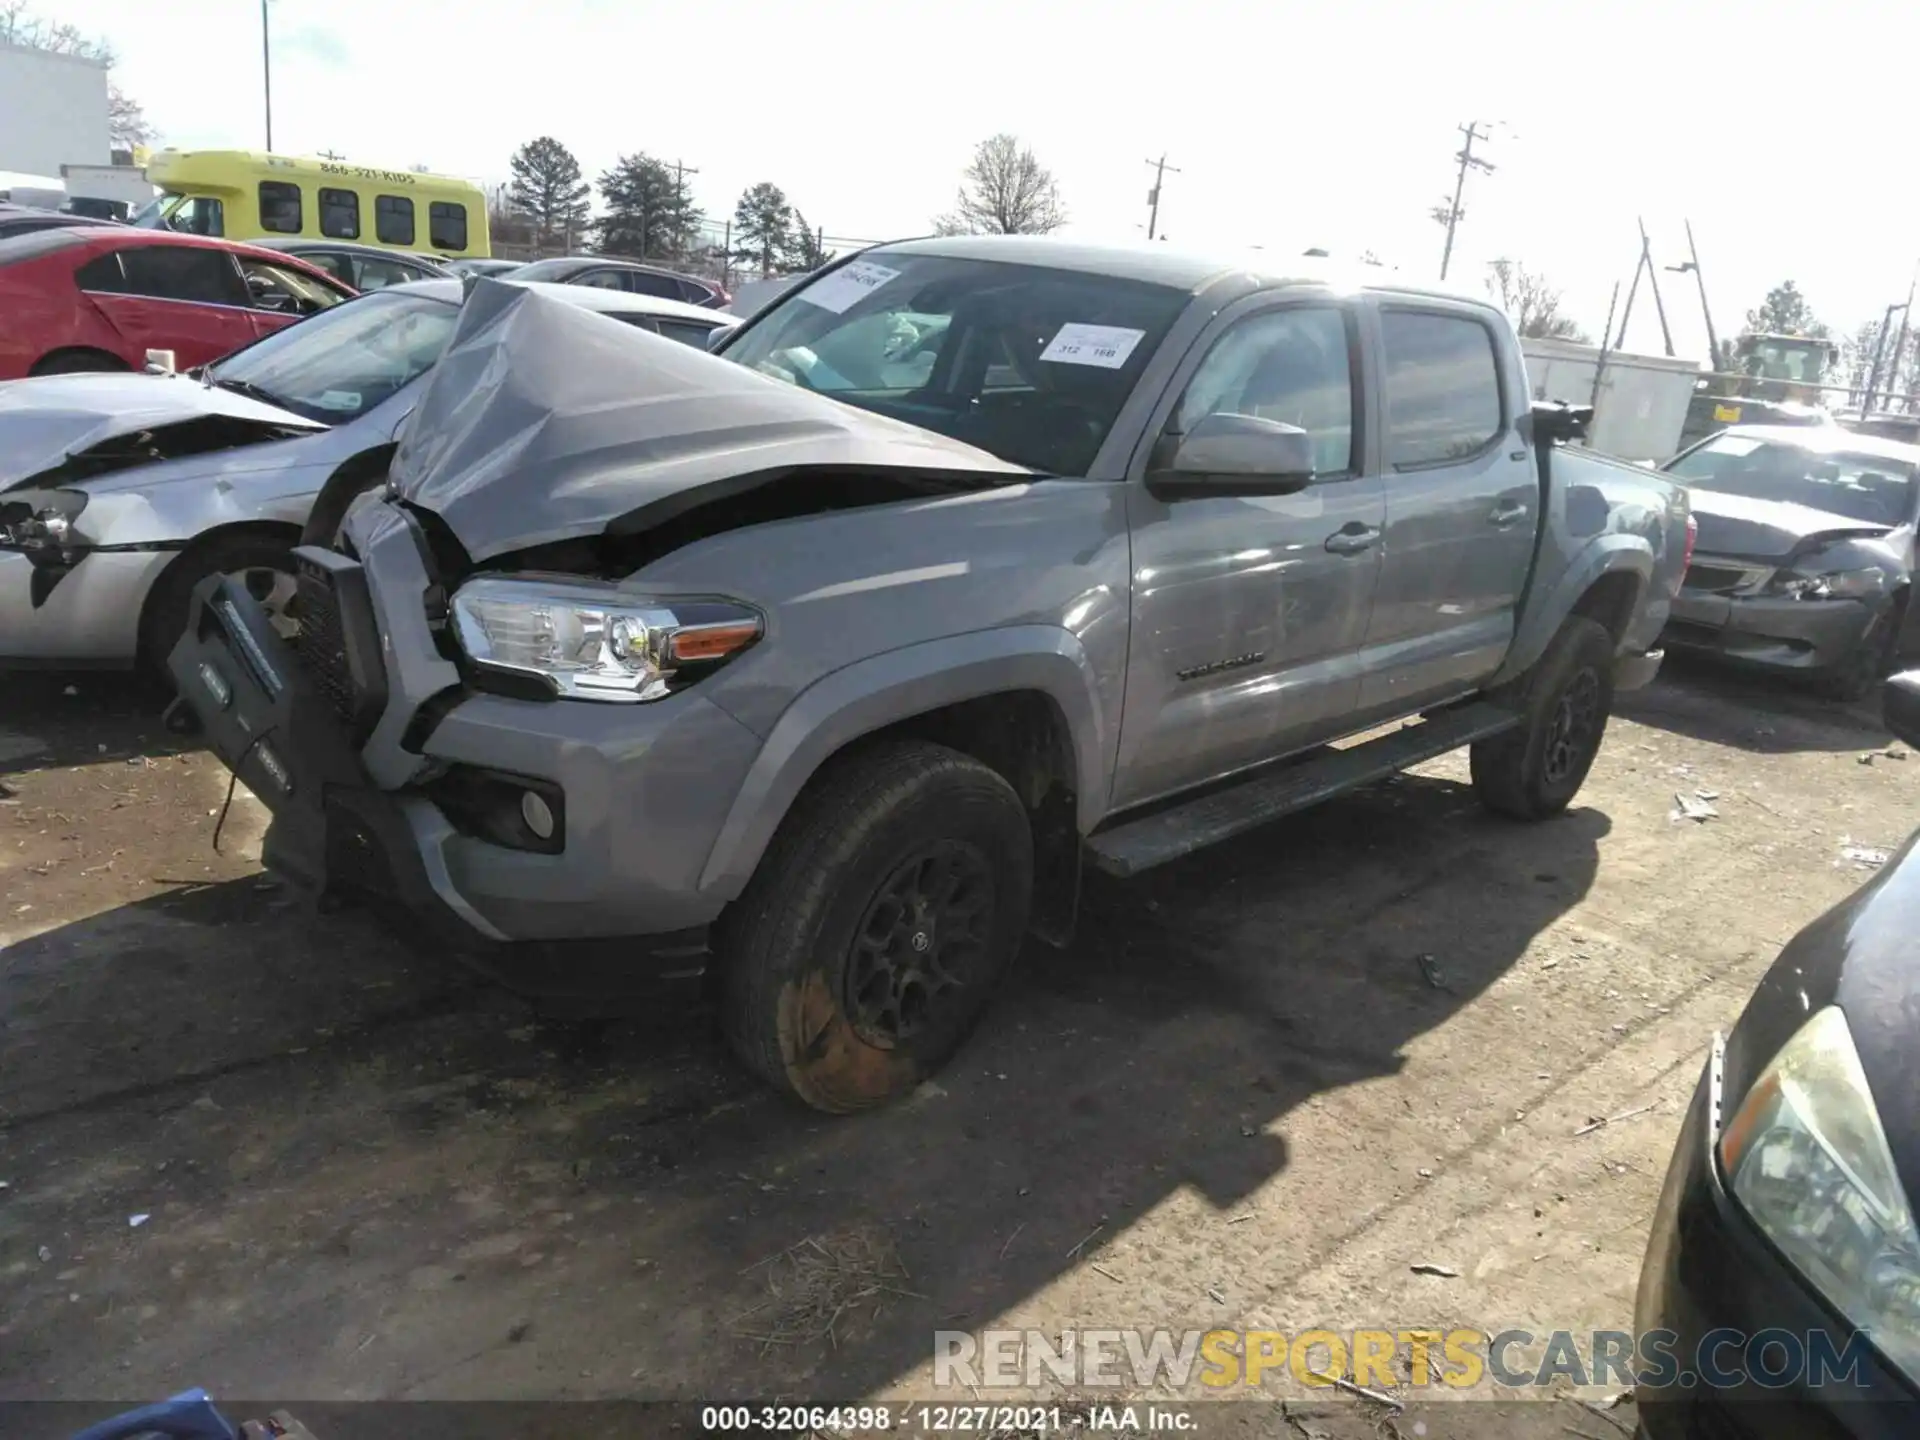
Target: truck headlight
[(595, 642), (1807, 1159), (1833, 585)]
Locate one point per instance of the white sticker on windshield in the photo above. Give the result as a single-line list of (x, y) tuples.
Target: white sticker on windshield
[(1735, 445), (339, 400), (1107, 346), (847, 286)]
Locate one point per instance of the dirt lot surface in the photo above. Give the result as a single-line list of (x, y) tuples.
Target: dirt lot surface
[(1243, 1099)]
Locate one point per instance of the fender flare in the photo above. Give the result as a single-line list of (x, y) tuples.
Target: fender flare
[(1542, 617), (884, 689)]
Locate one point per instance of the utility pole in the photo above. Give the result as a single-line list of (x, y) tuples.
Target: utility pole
[(1900, 345), (1879, 348), (1467, 160), (1160, 169), (1645, 263), (680, 173), (266, 70), (1692, 265)]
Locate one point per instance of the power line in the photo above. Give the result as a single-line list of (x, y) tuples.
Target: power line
[(1160, 169)]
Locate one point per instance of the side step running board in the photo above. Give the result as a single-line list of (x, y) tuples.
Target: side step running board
[(1167, 834)]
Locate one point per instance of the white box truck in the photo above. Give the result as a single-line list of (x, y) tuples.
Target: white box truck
[(1640, 404)]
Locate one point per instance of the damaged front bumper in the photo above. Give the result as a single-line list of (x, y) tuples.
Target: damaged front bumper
[(1771, 633), (419, 809)]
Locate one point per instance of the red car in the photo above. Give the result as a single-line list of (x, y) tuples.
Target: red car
[(99, 297)]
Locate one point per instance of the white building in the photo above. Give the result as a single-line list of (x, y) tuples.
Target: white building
[(53, 112)]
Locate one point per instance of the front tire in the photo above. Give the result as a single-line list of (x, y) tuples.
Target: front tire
[(1867, 664), (878, 925), (260, 561), (1534, 770)]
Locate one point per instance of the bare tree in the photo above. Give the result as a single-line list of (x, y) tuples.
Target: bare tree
[(1532, 302), (1005, 191), (126, 122)]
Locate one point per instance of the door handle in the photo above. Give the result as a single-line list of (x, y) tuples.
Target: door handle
[(1352, 538), (1507, 512)]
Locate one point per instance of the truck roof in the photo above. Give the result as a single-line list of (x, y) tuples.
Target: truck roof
[(1181, 268)]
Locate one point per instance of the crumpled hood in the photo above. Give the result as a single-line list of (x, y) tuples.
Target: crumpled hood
[(49, 419), (1766, 529), (543, 422)]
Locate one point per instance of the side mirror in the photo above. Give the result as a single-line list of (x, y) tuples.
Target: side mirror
[(1226, 454), (1558, 423), (1900, 705), (717, 336)]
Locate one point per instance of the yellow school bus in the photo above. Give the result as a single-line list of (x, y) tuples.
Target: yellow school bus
[(246, 195)]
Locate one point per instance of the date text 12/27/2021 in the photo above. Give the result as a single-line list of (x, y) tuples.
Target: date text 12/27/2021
[(913, 1419)]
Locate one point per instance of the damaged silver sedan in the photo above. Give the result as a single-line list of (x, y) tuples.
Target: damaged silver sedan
[(120, 492)]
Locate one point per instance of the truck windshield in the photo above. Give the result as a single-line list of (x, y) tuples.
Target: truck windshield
[(1030, 364), (1872, 489), (340, 364)]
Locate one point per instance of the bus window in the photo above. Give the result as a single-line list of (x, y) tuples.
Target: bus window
[(339, 214), (447, 225), (393, 219), (279, 207)]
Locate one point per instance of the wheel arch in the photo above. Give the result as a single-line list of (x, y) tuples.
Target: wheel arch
[(91, 352), (1021, 700), (1577, 588)]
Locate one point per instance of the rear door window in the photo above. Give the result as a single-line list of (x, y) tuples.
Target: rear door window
[(393, 219), (102, 275), (604, 279), (686, 333), (280, 207), (640, 282), (447, 225), (339, 214), (183, 272), (377, 274), (1442, 388)]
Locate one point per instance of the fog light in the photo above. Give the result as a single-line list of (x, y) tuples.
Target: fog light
[(216, 684), (537, 813)]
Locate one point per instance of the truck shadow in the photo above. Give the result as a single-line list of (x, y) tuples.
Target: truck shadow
[(368, 1176), (1705, 700), (52, 718)]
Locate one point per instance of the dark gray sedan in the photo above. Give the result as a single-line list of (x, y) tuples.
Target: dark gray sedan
[(1805, 552), (365, 267)]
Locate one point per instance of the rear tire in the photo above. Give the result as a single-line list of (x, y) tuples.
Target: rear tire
[(77, 362), (878, 925), (265, 559), (1534, 770)]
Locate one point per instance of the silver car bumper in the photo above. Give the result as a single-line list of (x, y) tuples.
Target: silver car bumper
[(91, 617)]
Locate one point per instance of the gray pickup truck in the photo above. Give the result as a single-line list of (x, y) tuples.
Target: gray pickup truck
[(821, 666)]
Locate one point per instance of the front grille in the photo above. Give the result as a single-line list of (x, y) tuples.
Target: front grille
[(323, 641), (1715, 579)]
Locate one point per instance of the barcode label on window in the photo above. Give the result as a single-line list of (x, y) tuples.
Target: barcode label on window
[(1106, 346), (847, 286)]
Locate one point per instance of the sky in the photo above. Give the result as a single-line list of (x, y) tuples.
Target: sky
[(1291, 125)]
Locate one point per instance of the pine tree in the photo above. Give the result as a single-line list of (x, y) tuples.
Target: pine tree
[(547, 187)]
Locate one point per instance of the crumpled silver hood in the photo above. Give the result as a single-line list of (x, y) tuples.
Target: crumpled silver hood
[(544, 422), (49, 418)]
